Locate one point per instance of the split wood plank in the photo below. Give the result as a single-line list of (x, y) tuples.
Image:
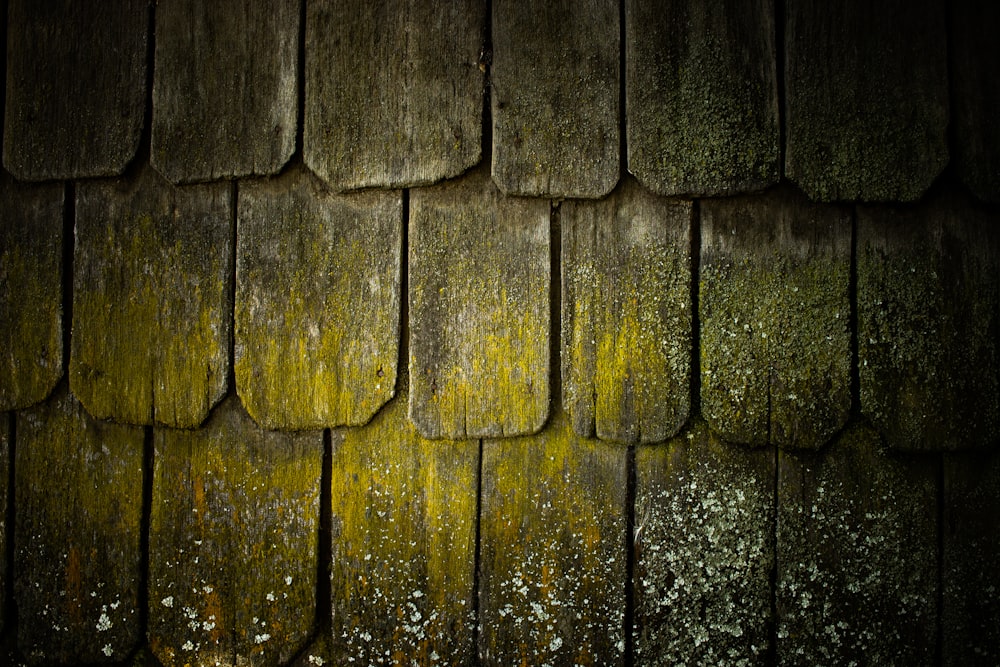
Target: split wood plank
[(31, 324), (857, 575), (233, 542), (928, 313), (626, 313), (76, 87), (866, 98), (152, 299), (775, 319), (479, 311), (702, 96), (555, 97), (77, 531), (317, 302), (394, 91), (225, 88), (5, 439), (704, 525), (553, 564)]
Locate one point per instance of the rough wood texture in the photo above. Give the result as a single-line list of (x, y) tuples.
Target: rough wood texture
[(704, 521), (76, 87), (928, 317), (552, 535), (225, 89), (866, 98), (151, 300), (971, 567), (317, 302), (5, 437), (78, 494), (479, 311), (701, 95), (394, 91), (233, 542), (775, 313), (626, 315), (404, 545), (554, 92), (857, 555), (31, 247)]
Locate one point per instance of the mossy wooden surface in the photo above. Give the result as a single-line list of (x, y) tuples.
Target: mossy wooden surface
[(78, 494), (479, 311), (233, 542), (701, 95), (866, 98), (394, 91), (404, 545), (555, 95), (317, 302), (857, 577), (626, 315), (225, 87), (928, 317), (704, 521), (5, 425), (553, 557), (76, 87), (31, 247), (152, 300), (775, 312)]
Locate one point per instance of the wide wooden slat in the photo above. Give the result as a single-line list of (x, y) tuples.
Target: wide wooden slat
[(78, 494), (317, 302), (233, 542), (394, 91), (555, 97), (152, 299), (225, 88), (626, 314), (479, 311), (701, 95)]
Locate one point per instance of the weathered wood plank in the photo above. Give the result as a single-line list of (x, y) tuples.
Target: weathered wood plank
[(928, 316), (76, 87), (479, 311), (866, 98), (555, 97), (78, 494), (31, 247), (394, 92), (775, 311), (5, 438), (225, 88), (233, 542), (553, 562), (317, 302), (857, 555), (701, 95), (626, 315), (152, 300), (704, 521)]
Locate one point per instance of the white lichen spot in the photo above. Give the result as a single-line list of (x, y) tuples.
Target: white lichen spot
[(107, 650), (168, 601), (270, 597), (288, 581), (187, 646), (260, 639), (103, 623)]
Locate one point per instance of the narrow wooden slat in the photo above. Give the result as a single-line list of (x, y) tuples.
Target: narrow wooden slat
[(5, 425), (701, 95), (555, 97), (151, 300), (225, 88), (704, 521), (626, 313), (479, 311), (775, 311), (317, 302), (394, 91), (76, 87), (233, 542), (552, 534), (78, 494), (31, 345)]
